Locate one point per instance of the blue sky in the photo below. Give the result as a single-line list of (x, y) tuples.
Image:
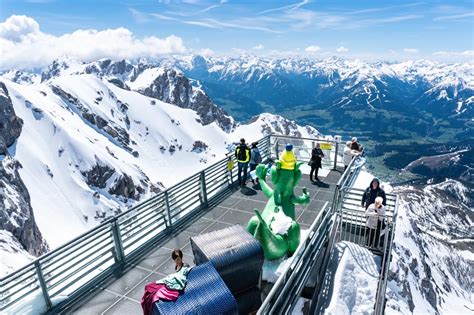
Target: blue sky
[(367, 29)]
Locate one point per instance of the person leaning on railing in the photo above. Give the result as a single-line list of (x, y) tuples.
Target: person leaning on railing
[(348, 154), (375, 222)]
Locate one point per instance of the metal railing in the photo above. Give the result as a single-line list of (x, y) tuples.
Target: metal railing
[(286, 291), (351, 226), (76, 267), (315, 249), (302, 147)]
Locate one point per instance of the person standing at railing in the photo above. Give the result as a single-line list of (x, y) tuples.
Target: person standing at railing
[(255, 159), (355, 145), (242, 154), (373, 191), (348, 154), (315, 162), (375, 222)]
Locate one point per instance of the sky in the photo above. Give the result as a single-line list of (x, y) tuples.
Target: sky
[(34, 32)]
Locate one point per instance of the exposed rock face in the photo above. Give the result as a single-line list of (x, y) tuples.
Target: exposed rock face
[(124, 186), (10, 124), (16, 215), (111, 129), (199, 146), (174, 88), (98, 175)]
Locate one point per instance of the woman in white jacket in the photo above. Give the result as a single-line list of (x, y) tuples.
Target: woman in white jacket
[(348, 154), (375, 216)]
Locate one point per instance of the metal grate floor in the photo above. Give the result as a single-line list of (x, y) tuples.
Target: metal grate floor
[(122, 295)]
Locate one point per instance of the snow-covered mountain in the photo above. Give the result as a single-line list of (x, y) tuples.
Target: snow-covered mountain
[(79, 146), (421, 97), (432, 267)]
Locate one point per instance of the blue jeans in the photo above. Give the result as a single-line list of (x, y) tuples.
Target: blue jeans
[(242, 167)]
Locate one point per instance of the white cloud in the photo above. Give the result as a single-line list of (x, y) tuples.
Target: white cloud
[(312, 49), (454, 17), (206, 52), (258, 47), (17, 27), (411, 50), (23, 45), (342, 50)]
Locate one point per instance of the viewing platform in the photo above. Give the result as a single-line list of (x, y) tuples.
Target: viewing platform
[(105, 270)]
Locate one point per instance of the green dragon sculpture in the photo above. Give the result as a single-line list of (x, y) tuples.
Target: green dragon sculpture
[(285, 176)]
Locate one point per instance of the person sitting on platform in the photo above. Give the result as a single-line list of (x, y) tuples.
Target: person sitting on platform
[(177, 256), (170, 287)]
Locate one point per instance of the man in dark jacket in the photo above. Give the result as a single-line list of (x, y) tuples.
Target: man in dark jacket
[(242, 154), (373, 191), (315, 162)]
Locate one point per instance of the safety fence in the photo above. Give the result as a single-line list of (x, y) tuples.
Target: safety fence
[(332, 149), (286, 291), (351, 224)]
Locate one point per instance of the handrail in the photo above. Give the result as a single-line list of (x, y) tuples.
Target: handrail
[(387, 258), (289, 285)]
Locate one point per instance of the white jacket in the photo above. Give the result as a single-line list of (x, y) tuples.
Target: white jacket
[(347, 155), (373, 216)]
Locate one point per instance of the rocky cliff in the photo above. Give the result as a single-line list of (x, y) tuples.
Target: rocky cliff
[(16, 215)]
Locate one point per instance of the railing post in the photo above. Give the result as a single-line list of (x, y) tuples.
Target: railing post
[(277, 149), (202, 180), (167, 205), (118, 245), (335, 155), (43, 286)]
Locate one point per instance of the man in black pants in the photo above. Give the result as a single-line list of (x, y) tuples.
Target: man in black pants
[(242, 154), (315, 162)]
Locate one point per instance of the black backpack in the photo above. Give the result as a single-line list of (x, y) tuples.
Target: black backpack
[(242, 155)]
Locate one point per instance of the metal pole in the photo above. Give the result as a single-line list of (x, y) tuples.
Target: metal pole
[(202, 179), (269, 147), (276, 149), (335, 155), (43, 286), (167, 205), (120, 255)]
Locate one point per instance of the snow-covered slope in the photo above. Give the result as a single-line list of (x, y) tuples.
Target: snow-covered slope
[(432, 267), (88, 148)]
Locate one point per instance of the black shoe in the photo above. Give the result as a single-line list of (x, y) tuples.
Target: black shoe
[(317, 179)]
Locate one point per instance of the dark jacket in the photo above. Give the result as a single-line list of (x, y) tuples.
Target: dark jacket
[(355, 146), (316, 156), (370, 194), (245, 148)]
